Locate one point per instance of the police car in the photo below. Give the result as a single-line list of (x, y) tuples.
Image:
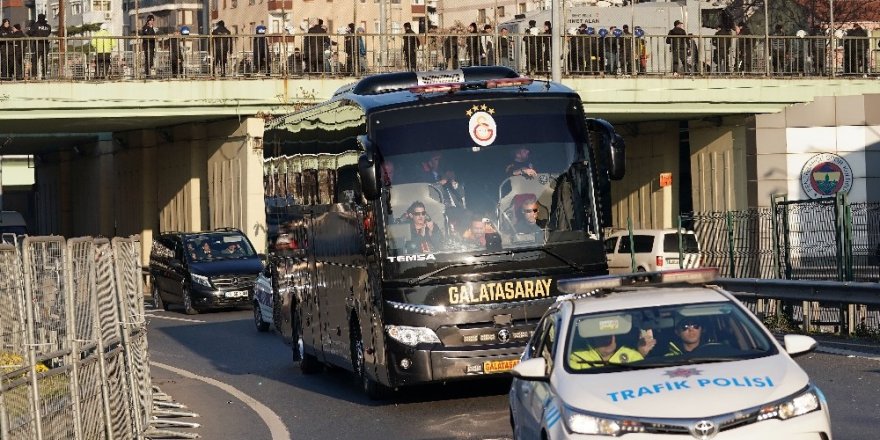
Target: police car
[(674, 358)]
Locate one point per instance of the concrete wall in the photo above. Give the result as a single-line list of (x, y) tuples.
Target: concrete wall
[(848, 126), (718, 163), (652, 148), (185, 178)]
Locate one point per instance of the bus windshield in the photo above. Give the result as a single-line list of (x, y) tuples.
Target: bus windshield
[(483, 175)]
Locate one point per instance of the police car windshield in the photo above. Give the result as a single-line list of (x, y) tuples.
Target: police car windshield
[(480, 176), (663, 336)]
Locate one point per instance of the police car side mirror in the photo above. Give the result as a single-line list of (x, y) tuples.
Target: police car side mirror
[(532, 369), (796, 345)]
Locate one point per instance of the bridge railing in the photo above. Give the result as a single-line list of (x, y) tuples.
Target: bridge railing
[(116, 58)]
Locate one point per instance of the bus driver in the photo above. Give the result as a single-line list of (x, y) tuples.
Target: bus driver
[(425, 235)]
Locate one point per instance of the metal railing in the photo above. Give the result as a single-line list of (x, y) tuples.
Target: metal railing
[(73, 362), (307, 55)]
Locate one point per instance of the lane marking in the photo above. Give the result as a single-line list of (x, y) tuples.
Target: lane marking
[(842, 352), (171, 318), (276, 427)]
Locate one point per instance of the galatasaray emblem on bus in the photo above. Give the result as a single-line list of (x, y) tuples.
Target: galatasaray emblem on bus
[(825, 175), (482, 126)]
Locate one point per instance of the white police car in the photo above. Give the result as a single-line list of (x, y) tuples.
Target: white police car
[(675, 358)]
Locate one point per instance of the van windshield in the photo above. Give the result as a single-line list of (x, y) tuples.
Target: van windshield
[(218, 246)]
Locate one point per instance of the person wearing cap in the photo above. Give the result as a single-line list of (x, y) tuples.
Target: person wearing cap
[(678, 41), (149, 44), (532, 46), (604, 349), (176, 48), (261, 52), (222, 42), (102, 44), (39, 31)]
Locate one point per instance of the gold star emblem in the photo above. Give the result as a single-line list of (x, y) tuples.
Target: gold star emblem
[(491, 111), (483, 107), (475, 109), (469, 112)]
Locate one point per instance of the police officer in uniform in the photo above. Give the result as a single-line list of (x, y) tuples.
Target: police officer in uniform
[(261, 52), (40, 30), (149, 44), (602, 349), (177, 48)]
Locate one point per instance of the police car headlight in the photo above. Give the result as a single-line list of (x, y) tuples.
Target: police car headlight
[(201, 279), (803, 403), (412, 336), (581, 422)]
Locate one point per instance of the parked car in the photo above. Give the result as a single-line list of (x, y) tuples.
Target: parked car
[(661, 355), (203, 270), (654, 250)]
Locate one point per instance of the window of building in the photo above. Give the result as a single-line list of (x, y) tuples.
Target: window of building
[(76, 8), (233, 4), (252, 2), (101, 5), (54, 11), (500, 11), (481, 15), (521, 8)]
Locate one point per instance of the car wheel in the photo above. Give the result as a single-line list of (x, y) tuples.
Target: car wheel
[(187, 303), (308, 363), (374, 390), (261, 325), (157, 298)]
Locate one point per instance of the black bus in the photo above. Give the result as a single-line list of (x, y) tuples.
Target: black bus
[(420, 221)]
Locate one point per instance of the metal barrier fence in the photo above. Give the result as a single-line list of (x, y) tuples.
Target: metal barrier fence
[(200, 57), (821, 239), (74, 356)]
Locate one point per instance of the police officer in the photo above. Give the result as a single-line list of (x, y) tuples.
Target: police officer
[(149, 44), (5, 50), (40, 31), (18, 51), (261, 52), (602, 349)]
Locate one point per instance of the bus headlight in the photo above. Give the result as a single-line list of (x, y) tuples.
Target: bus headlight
[(201, 279), (412, 336), (581, 422)]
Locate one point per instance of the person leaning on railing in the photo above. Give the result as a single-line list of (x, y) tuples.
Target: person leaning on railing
[(39, 31), (103, 44)]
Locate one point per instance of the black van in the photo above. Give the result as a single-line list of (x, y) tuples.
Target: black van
[(203, 270)]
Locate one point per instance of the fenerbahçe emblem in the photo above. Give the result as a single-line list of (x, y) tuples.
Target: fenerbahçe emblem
[(481, 126), (825, 175)]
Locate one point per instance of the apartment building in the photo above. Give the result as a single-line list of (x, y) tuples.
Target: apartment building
[(482, 12)]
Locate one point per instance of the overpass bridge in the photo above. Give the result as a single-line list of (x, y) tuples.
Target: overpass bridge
[(139, 156)]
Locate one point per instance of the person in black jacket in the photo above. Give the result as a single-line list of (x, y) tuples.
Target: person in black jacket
[(472, 46), (222, 46), (410, 46), (5, 50), (18, 52), (678, 44), (532, 47), (176, 48), (262, 56), (313, 47), (40, 31), (149, 44)]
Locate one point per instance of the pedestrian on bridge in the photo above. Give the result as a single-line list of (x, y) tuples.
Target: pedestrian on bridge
[(103, 44), (222, 42), (149, 44), (262, 56), (40, 31), (678, 43)]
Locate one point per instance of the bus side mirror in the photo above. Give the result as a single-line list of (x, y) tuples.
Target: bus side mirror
[(617, 168), (367, 171)]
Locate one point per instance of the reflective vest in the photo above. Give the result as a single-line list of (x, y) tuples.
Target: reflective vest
[(582, 359)]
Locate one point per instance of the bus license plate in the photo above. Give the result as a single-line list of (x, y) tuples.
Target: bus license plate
[(499, 366), (237, 294)]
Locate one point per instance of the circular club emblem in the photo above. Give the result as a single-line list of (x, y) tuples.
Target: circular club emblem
[(825, 175), (482, 128)]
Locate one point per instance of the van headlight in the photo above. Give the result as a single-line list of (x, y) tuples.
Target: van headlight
[(201, 279), (412, 336), (582, 422), (802, 403)]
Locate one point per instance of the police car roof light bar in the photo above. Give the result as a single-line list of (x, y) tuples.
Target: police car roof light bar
[(692, 276), (587, 286)]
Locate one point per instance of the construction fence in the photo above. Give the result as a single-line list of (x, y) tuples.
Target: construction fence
[(74, 357)]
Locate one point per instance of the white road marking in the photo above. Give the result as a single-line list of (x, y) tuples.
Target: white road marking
[(171, 318), (273, 422)]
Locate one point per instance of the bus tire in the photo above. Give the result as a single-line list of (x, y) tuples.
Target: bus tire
[(374, 390)]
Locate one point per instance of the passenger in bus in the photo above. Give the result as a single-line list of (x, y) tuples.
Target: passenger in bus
[(527, 215), (387, 172), (521, 165), (425, 235), (434, 171), (480, 233)]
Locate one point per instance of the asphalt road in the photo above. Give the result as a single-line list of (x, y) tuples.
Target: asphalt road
[(224, 348)]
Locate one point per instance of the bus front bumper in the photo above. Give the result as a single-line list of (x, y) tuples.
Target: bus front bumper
[(444, 365)]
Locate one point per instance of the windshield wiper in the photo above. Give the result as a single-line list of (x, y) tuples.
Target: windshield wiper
[(625, 366), (711, 359), (425, 276), (561, 258)]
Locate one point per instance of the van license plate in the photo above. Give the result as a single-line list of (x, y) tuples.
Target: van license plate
[(237, 294), (672, 260), (499, 366)]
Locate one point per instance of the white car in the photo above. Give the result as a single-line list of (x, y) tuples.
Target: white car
[(652, 250), (674, 358)]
